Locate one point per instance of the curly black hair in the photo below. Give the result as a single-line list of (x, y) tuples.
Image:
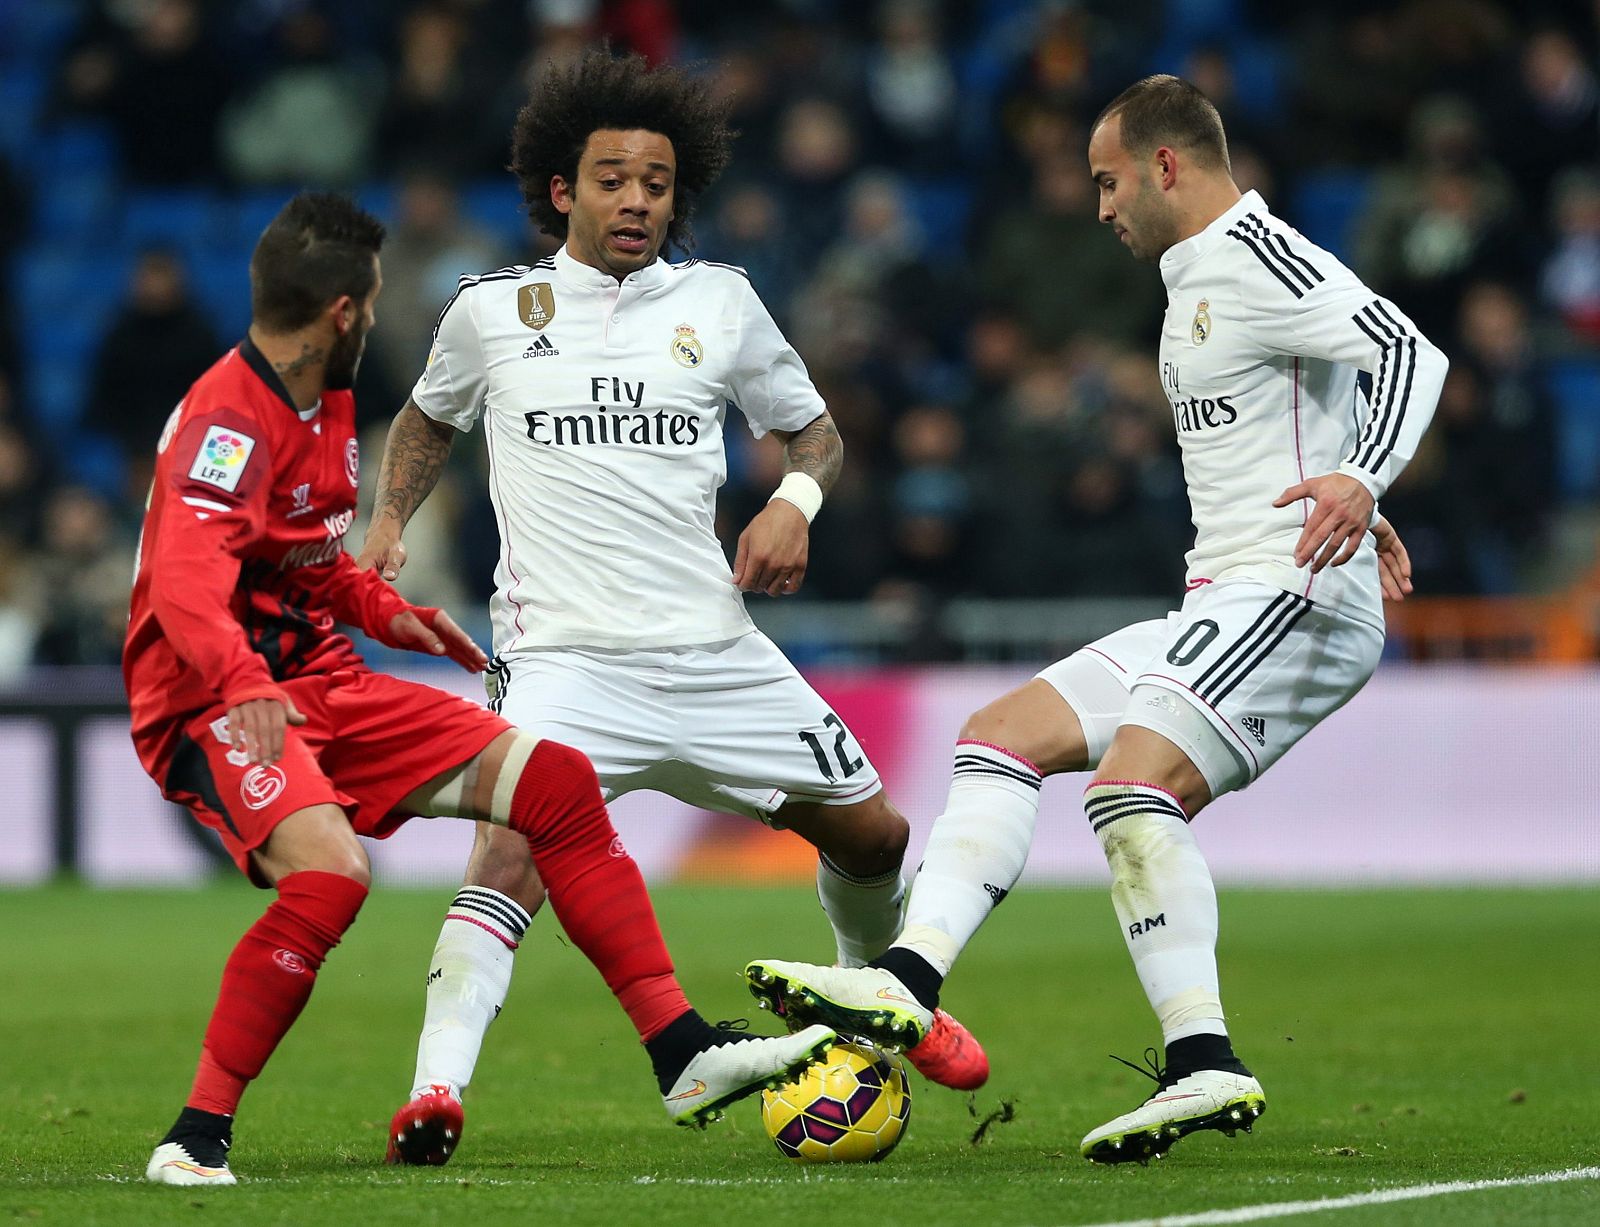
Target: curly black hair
[(602, 90)]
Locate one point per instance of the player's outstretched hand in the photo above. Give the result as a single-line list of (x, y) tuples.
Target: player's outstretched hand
[(382, 549), (1338, 521), (1394, 564), (256, 727), (773, 551), (434, 632)]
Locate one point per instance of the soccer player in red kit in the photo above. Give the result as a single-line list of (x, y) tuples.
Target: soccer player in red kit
[(252, 711)]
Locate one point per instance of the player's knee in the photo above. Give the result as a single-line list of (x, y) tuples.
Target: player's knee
[(545, 777), (317, 838), (1034, 725), (345, 860), (869, 841), (992, 724), (567, 773)]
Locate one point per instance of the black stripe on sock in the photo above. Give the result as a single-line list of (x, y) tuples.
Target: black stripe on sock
[(496, 899), (495, 910), (967, 763)]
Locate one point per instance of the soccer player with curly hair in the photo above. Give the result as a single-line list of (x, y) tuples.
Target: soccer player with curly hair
[(602, 376)]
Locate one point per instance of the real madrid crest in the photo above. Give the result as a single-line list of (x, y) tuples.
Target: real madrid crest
[(536, 305), (1201, 328), (686, 347)]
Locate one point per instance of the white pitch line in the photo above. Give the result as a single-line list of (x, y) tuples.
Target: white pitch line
[(1378, 1197)]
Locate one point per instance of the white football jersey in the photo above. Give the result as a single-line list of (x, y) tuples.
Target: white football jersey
[(1263, 338), (602, 405)]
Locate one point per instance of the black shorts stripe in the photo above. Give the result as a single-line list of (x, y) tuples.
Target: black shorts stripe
[(989, 769), (1242, 643), (1281, 243), (1276, 635), (500, 670), (189, 774), (1268, 262)]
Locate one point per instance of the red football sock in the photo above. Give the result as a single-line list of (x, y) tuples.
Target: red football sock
[(268, 979), (595, 887)]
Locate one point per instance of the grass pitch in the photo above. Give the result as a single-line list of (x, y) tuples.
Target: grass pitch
[(1403, 1037)]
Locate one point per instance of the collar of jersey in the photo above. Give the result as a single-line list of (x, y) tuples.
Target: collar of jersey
[(1197, 245), (586, 277), (257, 362)]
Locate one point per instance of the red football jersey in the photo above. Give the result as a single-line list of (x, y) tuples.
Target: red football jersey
[(242, 568)]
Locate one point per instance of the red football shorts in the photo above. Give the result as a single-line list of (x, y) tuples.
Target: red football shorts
[(368, 740)]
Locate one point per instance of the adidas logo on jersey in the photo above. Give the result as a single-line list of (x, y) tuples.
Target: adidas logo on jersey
[(1256, 727), (541, 349)]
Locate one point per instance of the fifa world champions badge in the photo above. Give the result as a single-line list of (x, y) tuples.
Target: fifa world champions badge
[(686, 348), (1201, 328), (536, 305)]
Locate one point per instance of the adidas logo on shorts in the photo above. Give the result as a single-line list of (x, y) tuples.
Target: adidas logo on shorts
[(1256, 727)]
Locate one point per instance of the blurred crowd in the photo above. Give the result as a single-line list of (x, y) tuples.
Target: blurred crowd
[(911, 199)]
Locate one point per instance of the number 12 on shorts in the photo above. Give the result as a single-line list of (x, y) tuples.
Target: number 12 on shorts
[(828, 743)]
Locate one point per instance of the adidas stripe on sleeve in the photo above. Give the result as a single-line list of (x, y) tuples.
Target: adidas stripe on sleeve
[(1307, 303)]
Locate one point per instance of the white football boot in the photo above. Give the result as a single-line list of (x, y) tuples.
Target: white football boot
[(177, 1163), (727, 1072), (865, 1002), (1205, 1099)]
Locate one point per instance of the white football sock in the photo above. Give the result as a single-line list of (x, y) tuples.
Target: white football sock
[(468, 979), (976, 851), (864, 912), (1165, 903)]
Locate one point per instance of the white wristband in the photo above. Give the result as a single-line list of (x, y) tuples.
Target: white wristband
[(802, 490)]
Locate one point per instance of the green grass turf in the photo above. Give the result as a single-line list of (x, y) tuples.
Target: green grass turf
[(1403, 1037)]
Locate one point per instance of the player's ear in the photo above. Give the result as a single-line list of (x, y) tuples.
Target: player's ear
[(343, 312), (1166, 165), (560, 194)]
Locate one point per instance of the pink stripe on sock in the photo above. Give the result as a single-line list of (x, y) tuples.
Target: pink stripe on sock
[(989, 745), (1140, 784), (473, 920)]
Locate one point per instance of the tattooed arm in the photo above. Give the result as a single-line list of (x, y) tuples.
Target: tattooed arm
[(815, 450), (413, 458), (775, 549)]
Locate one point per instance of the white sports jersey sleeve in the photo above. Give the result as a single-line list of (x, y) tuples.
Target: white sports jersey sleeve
[(1336, 318), (453, 383), (769, 382)]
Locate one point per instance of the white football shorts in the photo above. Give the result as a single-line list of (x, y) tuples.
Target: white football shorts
[(1234, 678), (730, 726)]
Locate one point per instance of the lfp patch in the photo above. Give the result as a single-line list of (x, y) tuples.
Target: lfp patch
[(223, 454)]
